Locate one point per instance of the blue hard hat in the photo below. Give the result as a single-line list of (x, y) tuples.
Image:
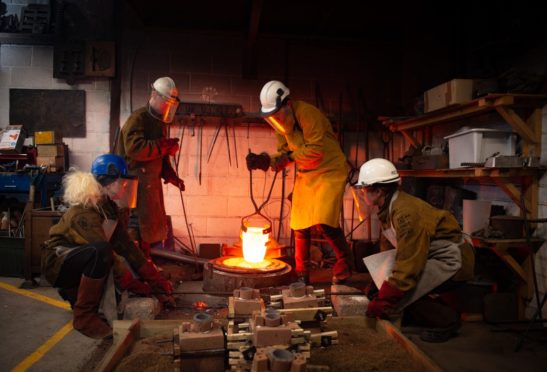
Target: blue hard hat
[(108, 167)]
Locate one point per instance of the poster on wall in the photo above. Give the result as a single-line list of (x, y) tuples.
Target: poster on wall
[(62, 111)]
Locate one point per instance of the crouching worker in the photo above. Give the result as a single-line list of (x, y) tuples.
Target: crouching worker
[(79, 253), (431, 253)]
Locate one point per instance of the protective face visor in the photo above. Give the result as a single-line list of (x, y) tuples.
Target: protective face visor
[(281, 121), (123, 192), (169, 108), (359, 197)]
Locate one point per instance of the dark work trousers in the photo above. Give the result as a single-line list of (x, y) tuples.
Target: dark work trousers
[(92, 260)]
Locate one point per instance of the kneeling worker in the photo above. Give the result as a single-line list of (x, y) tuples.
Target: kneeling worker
[(79, 253), (431, 253)]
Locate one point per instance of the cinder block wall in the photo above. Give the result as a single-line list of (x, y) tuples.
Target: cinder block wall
[(207, 67), (31, 67)]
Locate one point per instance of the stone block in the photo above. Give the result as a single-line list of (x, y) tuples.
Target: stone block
[(347, 305), (196, 341), (145, 308)]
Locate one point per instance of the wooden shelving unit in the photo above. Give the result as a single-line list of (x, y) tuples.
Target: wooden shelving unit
[(521, 111)]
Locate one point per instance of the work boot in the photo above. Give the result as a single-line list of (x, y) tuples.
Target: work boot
[(69, 294), (302, 244), (86, 317), (434, 320), (341, 271)]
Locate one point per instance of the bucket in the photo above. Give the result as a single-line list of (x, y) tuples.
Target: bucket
[(476, 215)]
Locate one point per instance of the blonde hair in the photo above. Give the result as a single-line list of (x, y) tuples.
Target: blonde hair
[(81, 188)]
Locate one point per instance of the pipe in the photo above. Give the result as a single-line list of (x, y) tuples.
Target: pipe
[(177, 256)]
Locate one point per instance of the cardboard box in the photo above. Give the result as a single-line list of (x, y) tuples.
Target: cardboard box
[(57, 149), (447, 94), (48, 137), (12, 139), (53, 163)]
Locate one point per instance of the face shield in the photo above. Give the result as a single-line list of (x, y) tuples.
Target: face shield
[(362, 202), (164, 107), (123, 192), (282, 121)]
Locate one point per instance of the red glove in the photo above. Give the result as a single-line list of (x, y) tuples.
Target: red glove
[(282, 162), (160, 285), (384, 305), (128, 282), (175, 181), (258, 161), (169, 146)]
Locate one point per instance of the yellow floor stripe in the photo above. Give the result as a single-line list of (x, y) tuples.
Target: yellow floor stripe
[(36, 296), (43, 349)]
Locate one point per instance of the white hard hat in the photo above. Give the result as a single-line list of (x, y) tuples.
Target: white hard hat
[(272, 95), (377, 171), (166, 87)]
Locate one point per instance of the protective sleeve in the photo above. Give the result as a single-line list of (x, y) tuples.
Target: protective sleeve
[(137, 147), (412, 249), (313, 127)]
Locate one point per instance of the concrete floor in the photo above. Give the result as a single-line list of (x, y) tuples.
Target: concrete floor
[(37, 336)]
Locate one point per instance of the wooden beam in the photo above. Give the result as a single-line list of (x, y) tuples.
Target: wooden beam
[(410, 138), (517, 123), (126, 338), (415, 353), (513, 192), (513, 265)]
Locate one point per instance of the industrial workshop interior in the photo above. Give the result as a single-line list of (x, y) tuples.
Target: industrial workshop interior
[(260, 185)]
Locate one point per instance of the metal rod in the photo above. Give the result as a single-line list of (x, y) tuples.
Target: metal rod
[(177, 256)]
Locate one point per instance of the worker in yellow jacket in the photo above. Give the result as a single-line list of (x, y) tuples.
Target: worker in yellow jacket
[(306, 138)]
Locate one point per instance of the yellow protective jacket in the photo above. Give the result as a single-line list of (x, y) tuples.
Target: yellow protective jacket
[(138, 143), (79, 226), (416, 224), (321, 168)]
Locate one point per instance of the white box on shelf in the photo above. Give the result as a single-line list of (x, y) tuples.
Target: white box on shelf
[(477, 144)]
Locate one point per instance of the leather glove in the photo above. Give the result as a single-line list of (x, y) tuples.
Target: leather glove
[(128, 282), (282, 162), (175, 181), (169, 146), (258, 161), (384, 305), (160, 285)]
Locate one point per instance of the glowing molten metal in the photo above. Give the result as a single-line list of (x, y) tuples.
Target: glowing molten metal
[(254, 244)]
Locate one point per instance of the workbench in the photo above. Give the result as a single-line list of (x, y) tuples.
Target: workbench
[(17, 185)]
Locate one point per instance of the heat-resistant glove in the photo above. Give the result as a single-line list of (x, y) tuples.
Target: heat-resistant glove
[(128, 282), (169, 146), (384, 305), (175, 181), (170, 176), (162, 287), (258, 161), (282, 162)]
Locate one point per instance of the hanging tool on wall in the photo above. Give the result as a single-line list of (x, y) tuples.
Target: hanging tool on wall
[(223, 123), (200, 148)]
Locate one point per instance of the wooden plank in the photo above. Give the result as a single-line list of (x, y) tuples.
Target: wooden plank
[(512, 263), (414, 352), (511, 117), (118, 350)]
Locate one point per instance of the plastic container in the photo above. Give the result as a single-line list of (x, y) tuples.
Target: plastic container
[(477, 144), (476, 215)]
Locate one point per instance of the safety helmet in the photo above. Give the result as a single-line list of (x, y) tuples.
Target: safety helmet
[(109, 165), (111, 172), (166, 87), (272, 96), (377, 171), (166, 101)]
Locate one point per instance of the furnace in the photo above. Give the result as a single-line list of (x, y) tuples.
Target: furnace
[(224, 274)]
